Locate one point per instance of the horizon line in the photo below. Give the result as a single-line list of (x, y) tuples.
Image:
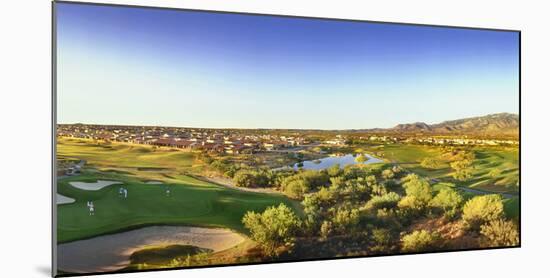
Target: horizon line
[(275, 128)]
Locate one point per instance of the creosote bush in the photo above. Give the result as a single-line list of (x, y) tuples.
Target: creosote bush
[(420, 241), (482, 209), (499, 233), (276, 227)]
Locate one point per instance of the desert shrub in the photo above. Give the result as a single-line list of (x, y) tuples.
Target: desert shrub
[(295, 188), (418, 193), (337, 182), (482, 209), (430, 163), (325, 195), (396, 169), (309, 179), (388, 200), (276, 227), (448, 200), (334, 170), (499, 233), (361, 158), (251, 178), (325, 230), (463, 169), (371, 180), (388, 174), (351, 172), (345, 220), (382, 241), (312, 214), (420, 241)]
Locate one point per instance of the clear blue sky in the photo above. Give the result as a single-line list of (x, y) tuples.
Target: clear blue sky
[(137, 66)]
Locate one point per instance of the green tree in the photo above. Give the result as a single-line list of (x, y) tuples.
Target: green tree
[(295, 188), (418, 193), (297, 185), (244, 178), (273, 229), (251, 178), (420, 241), (499, 233), (482, 209), (448, 200), (312, 212)]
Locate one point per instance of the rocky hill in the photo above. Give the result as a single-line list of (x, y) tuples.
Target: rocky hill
[(494, 124)]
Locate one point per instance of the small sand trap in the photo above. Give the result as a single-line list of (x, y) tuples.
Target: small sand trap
[(93, 186), (60, 199), (112, 252), (153, 182)]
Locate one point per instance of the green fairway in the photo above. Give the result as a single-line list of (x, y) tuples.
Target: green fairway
[(511, 208), (503, 161), (190, 202), (124, 156)]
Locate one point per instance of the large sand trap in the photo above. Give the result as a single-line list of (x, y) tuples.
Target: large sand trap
[(112, 252), (60, 199), (93, 185)]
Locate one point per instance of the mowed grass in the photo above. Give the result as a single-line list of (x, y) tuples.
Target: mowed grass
[(190, 202), (123, 156), (488, 158)]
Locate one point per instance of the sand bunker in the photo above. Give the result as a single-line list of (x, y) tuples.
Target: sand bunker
[(93, 186), (112, 252), (153, 182), (60, 199)]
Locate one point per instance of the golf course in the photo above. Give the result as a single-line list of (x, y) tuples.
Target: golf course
[(158, 192), (141, 204), (495, 169)]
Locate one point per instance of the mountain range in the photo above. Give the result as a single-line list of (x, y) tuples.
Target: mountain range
[(489, 125)]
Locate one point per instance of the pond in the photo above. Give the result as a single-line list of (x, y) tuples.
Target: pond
[(342, 160)]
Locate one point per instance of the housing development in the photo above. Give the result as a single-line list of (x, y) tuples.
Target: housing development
[(236, 141)]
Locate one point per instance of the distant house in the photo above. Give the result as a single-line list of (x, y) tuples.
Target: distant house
[(337, 141), (212, 147), (183, 144), (274, 145), (236, 149), (251, 144), (163, 142)]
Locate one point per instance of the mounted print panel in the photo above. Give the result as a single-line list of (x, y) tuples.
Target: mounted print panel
[(187, 138)]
